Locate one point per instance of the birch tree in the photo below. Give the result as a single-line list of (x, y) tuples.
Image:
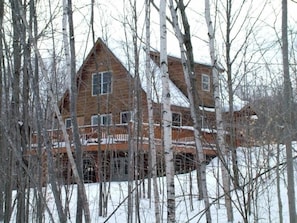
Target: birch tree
[(167, 116), (153, 155), (221, 146), (187, 59)]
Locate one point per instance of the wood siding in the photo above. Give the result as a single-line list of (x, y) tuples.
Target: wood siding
[(176, 74)]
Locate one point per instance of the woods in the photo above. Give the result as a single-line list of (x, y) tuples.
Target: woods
[(148, 111)]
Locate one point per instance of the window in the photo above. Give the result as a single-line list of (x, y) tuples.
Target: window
[(204, 122), (176, 119), (101, 83), (119, 169), (205, 81), (68, 123), (126, 117), (105, 119), (89, 171)]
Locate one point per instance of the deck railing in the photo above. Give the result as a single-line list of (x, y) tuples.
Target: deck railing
[(120, 134)]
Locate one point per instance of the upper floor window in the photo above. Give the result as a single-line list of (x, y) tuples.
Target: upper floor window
[(68, 123), (126, 117), (204, 122), (176, 119), (105, 120), (205, 82), (101, 83)]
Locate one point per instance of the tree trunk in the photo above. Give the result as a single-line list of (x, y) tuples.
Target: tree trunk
[(61, 122), (15, 107), (221, 146), (288, 100), (279, 196), (82, 202), (3, 155), (167, 117), (230, 96), (42, 135), (190, 77), (153, 155)]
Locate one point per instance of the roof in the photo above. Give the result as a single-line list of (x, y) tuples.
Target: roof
[(177, 84)]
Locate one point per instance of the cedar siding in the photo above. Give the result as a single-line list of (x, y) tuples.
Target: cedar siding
[(101, 59), (114, 140), (176, 75)]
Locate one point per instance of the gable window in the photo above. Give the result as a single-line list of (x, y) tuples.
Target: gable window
[(205, 82), (101, 83), (105, 120), (176, 119), (126, 117), (68, 123)]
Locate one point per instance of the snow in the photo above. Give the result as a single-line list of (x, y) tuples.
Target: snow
[(260, 189)]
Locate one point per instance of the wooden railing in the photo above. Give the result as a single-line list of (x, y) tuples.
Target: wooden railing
[(121, 133)]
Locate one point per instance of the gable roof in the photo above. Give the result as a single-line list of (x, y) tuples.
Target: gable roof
[(90, 59), (176, 75), (177, 82)]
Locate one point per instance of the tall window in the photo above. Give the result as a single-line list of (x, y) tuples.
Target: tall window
[(204, 122), (101, 83), (105, 119), (126, 117), (68, 123), (176, 119), (205, 82)]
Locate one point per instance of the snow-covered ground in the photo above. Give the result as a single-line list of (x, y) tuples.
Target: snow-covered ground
[(260, 194)]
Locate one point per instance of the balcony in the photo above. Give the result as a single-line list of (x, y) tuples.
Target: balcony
[(122, 136)]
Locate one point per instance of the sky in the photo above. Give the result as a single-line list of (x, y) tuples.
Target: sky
[(110, 22), (110, 18)]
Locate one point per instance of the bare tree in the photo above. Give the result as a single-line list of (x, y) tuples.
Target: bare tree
[(288, 99), (152, 155), (187, 58), (82, 202), (167, 116), (18, 44), (221, 146), (2, 145), (236, 15)]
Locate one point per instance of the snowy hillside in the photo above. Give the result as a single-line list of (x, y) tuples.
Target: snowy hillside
[(257, 198)]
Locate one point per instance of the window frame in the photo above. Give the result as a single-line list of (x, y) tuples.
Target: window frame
[(103, 87), (180, 119), (204, 122), (126, 112), (205, 83), (102, 116), (67, 121)]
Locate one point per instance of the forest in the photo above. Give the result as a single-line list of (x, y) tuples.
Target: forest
[(204, 94)]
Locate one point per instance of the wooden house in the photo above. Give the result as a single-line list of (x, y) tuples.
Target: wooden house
[(112, 115)]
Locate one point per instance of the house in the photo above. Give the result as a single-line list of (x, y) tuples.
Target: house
[(113, 119)]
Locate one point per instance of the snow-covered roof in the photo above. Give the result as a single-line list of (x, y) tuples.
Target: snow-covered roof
[(177, 97)]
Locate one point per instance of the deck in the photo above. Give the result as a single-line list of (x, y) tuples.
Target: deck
[(108, 151), (119, 137)]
